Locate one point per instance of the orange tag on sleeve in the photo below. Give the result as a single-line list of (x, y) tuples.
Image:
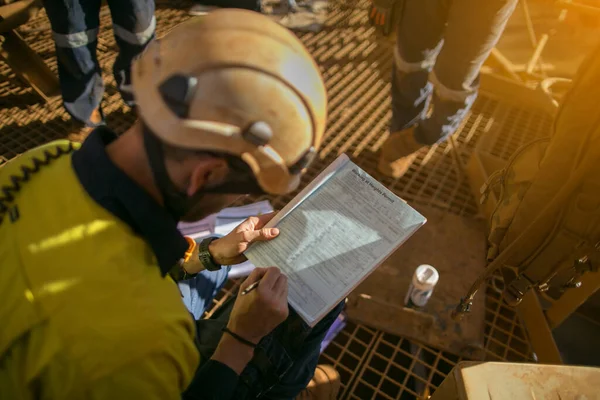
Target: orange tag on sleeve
[(191, 246)]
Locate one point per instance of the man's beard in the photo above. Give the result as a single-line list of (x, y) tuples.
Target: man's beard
[(207, 205)]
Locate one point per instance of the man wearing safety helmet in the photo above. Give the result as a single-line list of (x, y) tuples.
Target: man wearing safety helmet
[(229, 105)]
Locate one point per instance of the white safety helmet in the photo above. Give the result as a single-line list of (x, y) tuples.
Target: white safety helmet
[(237, 83)]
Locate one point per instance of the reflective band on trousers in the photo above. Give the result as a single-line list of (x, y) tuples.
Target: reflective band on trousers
[(447, 94), (136, 37), (408, 67), (442, 91), (72, 40)]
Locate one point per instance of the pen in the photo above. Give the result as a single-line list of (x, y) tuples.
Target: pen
[(250, 288)]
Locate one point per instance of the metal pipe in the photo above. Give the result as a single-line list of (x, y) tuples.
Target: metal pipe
[(536, 57), (532, 37)]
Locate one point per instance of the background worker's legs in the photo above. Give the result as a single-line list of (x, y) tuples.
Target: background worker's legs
[(418, 42), (473, 29), (75, 30), (428, 104), (419, 37), (134, 26)]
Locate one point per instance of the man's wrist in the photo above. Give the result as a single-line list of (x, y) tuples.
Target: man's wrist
[(233, 353), (211, 250)]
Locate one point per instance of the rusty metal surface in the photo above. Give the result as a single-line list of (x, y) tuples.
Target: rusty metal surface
[(356, 65), (456, 247)]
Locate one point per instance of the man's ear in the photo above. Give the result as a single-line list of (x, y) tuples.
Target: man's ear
[(207, 171)]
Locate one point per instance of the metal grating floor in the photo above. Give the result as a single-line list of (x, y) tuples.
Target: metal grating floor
[(356, 64)]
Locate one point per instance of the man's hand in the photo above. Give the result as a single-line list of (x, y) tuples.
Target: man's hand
[(254, 316), (229, 249)]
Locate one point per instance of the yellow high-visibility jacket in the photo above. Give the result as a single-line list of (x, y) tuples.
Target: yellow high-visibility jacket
[(84, 310)]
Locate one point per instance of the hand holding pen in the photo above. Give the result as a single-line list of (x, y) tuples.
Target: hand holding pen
[(250, 288), (254, 317)]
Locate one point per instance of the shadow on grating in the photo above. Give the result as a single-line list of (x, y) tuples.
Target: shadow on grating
[(398, 368), (356, 65)]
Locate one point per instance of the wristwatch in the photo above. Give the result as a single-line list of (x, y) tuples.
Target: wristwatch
[(205, 257)]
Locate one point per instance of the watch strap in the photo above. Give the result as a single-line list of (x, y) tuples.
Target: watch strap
[(178, 273), (205, 257)]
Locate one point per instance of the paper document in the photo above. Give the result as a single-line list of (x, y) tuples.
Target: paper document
[(229, 218), (225, 221), (333, 235)]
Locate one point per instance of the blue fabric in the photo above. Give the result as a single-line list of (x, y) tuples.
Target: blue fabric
[(75, 25), (283, 363), (452, 39), (198, 292)]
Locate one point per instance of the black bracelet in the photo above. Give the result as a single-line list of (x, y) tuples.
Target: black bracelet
[(239, 338)]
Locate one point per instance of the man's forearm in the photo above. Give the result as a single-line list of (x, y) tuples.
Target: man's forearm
[(218, 378), (232, 353)]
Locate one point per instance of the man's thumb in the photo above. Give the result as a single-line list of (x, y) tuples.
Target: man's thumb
[(261, 235)]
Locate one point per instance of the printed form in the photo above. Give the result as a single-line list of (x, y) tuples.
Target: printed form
[(339, 231)]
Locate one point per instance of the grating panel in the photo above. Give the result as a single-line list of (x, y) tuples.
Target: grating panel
[(504, 338), (398, 368), (356, 65), (517, 127), (349, 351)]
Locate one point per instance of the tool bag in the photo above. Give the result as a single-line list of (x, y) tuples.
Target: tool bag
[(560, 250)]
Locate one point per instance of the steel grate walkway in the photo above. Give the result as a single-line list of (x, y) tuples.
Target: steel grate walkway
[(356, 65)]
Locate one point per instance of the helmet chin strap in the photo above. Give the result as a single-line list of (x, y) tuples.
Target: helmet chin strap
[(176, 202)]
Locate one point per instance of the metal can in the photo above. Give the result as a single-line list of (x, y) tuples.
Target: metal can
[(421, 287)]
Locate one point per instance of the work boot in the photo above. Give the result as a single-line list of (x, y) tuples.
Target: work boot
[(80, 132), (398, 152), (325, 385)]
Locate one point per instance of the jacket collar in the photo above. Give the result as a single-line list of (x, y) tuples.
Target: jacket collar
[(112, 189)]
